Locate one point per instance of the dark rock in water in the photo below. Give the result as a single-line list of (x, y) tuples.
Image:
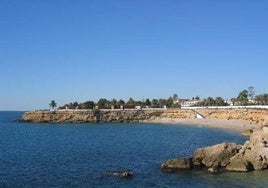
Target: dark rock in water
[(177, 164), (126, 174), (121, 174), (20, 121)]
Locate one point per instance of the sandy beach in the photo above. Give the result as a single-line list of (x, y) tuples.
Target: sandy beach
[(234, 125)]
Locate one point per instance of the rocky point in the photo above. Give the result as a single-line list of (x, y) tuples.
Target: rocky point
[(252, 155)]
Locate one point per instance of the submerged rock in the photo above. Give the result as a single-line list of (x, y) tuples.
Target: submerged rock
[(126, 174), (121, 174), (112, 173)]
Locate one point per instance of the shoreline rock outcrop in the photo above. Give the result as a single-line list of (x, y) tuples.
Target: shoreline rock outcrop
[(90, 116), (252, 155), (255, 116)]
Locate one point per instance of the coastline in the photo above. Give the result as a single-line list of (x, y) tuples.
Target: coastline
[(232, 125), (229, 119)]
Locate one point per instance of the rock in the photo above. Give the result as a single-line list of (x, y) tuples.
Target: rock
[(217, 155), (247, 132), (239, 164), (214, 169), (126, 174), (253, 155), (177, 164), (121, 174), (255, 116), (257, 150), (254, 151)]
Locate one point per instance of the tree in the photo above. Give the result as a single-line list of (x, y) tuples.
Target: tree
[(175, 96), (53, 105), (209, 101), (155, 103), (131, 103), (262, 99), (162, 103), (147, 102), (120, 102), (114, 103), (169, 102), (242, 97), (176, 105), (75, 104), (265, 99), (233, 100), (251, 92), (88, 105), (103, 103), (220, 102)]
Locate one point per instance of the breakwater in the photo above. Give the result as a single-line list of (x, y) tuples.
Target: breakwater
[(256, 116)]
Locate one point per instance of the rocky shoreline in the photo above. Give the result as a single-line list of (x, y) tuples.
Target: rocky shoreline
[(252, 155), (90, 116), (250, 116)]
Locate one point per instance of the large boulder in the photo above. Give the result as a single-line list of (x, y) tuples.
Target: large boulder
[(257, 155), (256, 149), (239, 164), (215, 156), (254, 153), (177, 164)]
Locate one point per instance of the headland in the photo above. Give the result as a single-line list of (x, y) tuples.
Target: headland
[(237, 119)]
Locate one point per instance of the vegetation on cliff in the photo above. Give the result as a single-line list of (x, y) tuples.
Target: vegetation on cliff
[(116, 104), (218, 101), (245, 97)]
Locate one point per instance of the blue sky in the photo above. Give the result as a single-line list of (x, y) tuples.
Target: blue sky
[(85, 50)]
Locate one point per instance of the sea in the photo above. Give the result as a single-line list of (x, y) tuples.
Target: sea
[(86, 155)]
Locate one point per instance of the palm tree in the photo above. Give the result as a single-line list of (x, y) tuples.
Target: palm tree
[(52, 105)]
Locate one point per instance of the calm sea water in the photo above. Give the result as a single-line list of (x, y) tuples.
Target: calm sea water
[(78, 155)]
